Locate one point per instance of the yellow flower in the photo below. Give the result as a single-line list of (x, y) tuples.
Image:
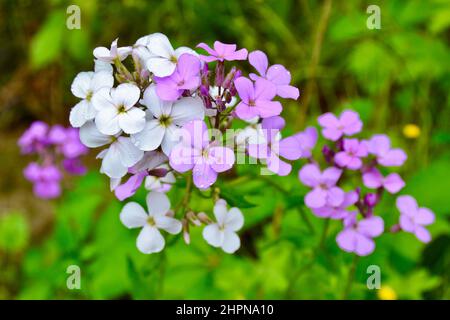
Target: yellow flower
[(387, 293), (411, 131)]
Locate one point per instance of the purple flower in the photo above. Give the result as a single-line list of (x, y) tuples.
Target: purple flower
[(277, 74), (57, 134), (130, 187), (373, 179), (351, 155), (74, 166), (337, 211), (34, 139), (380, 146), (357, 236), (413, 219), (196, 152), (270, 146), (71, 146), (256, 99), (334, 128), (185, 77), (45, 179), (307, 141), (324, 187), (222, 51)]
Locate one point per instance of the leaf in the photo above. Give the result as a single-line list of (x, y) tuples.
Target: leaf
[(14, 232), (234, 198), (46, 45)]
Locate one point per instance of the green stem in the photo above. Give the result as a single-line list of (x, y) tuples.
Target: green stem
[(351, 276)]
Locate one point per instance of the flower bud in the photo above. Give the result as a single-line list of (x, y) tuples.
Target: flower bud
[(370, 199), (220, 73), (186, 235), (328, 154), (204, 218), (193, 218)]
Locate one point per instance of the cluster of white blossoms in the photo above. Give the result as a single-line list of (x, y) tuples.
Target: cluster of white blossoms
[(149, 107), (121, 111)]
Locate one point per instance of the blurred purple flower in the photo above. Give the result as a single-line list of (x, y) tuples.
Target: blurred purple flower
[(45, 179), (414, 219), (373, 179), (357, 236), (325, 191), (34, 139), (380, 146), (351, 155), (333, 128), (337, 211)]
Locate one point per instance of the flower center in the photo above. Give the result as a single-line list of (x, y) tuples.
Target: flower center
[(180, 83), (89, 95), (173, 59), (121, 109), (252, 103), (165, 121), (151, 221)]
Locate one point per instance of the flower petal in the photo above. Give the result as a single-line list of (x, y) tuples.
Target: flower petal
[(231, 242), (187, 109), (150, 240), (133, 215), (258, 60), (170, 225), (150, 137), (213, 235), (158, 203)]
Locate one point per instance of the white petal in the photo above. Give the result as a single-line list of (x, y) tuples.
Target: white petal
[(154, 104), (107, 121), (213, 235), (78, 114), (183, 50), (150, 137), (132, 121), (231, 242), (102, 99), (102, 66), (133, 215), (102, 79), (220, 211), (159, 45), (103, 54), (158, 203), (234, 219), (150, 240), (114, 183), (125, 94), (168, 224), (187, 109), (112, 166), (81, 84), (171, 138), (160, 66), (91, 137), (129, 154)]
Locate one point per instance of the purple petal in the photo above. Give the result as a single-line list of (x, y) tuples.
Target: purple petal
[(246, 112), (373, 179), (393, 183), (310, 175), (264, 90), (371, 227), (407, 205), (182, 158), (188, 66), (331, 175), (422, 234), (259, 151), (424, 216), (268, 109), (237, 55), (406, 223), (290, 148), (204, 176), (275, 122), (278, 75), (364, 245), (351, 122), (278, 166), (328, 120), (335, 196), (244, 87), (347, 239), (393, 158), (221, 158), (207, 48), (130, 187), (316, 198), (167, 89), (288, 92), (258, 60)]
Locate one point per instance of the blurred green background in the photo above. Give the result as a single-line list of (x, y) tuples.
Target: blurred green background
[(396, 77)]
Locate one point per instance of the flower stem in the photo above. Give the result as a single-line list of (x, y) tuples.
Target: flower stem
[(351, 276)]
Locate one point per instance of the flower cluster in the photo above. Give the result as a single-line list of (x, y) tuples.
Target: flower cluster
[(164, 120), (59, 149), (347, 157)]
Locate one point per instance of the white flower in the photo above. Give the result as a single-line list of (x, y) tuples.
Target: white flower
[(84, 86), (223, 233), (163, 58), (150, 239), (160, 184), (116, 110), (166, 118), (121, 154), (102, 66), (109, 55)]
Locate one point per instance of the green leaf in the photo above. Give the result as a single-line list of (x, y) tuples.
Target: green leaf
[(46, 45), (14, 232)]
